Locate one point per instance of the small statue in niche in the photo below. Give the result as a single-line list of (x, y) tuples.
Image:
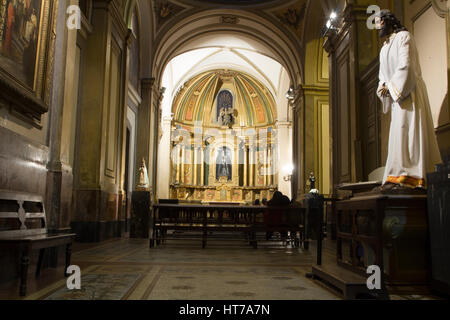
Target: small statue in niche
[(144, 183), (223, 164), (226, 113), (227, 117)]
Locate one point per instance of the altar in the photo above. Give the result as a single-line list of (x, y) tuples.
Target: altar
[(221, 194)]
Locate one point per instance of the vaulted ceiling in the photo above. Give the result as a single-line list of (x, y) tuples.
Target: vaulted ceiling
[(262, 39)]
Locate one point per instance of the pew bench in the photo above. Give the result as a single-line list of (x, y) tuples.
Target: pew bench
[(209, 220), (23, 228)]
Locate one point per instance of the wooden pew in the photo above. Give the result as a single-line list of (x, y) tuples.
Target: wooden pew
[(23, 227), (207, 219)]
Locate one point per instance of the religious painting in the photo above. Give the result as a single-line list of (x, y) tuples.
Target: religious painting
[(19, 29), (26, 56)]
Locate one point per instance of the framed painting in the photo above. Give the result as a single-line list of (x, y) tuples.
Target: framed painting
[(26, 55)]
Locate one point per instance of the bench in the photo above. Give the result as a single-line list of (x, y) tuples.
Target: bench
[(23, 227), (211, 219)]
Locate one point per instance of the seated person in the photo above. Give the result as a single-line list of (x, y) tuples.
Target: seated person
[(273, 217)]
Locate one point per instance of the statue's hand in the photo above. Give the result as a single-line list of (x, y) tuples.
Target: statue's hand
[(384, 91)]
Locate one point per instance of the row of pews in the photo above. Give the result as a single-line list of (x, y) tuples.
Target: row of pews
[(226, 222)]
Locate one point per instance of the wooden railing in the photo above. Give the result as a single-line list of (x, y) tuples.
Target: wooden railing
[(251, 221)]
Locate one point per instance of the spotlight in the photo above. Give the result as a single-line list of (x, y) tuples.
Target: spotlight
[(330, 24)]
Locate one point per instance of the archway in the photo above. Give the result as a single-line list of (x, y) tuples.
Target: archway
[(238, 42)]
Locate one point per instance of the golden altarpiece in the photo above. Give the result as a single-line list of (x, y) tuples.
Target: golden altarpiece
[(223, 139)]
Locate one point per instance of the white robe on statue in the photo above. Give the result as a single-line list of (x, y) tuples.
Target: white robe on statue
[(413, 150)]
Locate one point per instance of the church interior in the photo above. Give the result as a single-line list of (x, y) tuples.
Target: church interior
[(148, 144)]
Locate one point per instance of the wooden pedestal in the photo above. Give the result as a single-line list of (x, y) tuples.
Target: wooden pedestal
[(388, 230)]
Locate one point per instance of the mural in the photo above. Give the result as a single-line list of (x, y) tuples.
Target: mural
[(19, 38)]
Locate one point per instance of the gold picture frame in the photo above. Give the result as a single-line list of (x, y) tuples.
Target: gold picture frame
[(27, 39)]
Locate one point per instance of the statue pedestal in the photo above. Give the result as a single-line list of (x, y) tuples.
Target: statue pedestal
[(140, 214), (439, 222), (385, 228)]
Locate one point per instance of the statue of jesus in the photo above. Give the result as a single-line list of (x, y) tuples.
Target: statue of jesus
[(413, 150)]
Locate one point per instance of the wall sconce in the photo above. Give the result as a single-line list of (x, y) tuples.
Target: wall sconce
[(288, 170), (290, 95), (330, 25)]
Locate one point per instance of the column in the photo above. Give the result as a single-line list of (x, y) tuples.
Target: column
[(195, 166), (183, 160), (264, 168), (202, 166), (285, 152), (235, 171), (252, 166), (212, 166), (269, 165), (245, 165), (178, 163)]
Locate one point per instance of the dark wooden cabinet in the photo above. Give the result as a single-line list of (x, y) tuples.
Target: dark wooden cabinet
[(439, 224), (385, 230)]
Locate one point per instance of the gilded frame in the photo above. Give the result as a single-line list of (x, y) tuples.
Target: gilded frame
[(29, 100)]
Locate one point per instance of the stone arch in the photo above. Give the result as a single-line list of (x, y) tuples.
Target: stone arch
[(145, 19), (262, 33)]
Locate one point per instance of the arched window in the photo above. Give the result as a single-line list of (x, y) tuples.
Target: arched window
[(224, 101), (134, 52)]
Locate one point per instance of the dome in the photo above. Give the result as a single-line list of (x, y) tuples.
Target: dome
[(200, 99)]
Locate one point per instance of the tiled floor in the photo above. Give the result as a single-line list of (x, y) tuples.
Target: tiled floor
[(128, 269)]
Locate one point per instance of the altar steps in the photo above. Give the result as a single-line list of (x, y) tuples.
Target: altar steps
[(345, 283)]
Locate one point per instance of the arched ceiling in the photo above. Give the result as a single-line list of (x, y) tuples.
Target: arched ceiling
[(197, 100), (275, 28), (209, 28), (236, 54)]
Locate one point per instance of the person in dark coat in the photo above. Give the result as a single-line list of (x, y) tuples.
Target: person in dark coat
[(273, 217)]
